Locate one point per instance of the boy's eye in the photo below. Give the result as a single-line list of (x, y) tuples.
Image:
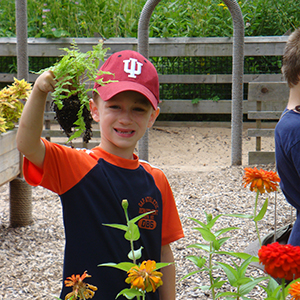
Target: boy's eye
[(114, 106), (141, 109)]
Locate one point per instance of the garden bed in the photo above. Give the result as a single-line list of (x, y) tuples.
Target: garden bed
[(9, 157)]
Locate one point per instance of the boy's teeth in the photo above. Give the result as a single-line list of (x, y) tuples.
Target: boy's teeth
[(124, 131)]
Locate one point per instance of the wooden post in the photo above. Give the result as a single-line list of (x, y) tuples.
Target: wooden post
[(258, 126), (20, 191)]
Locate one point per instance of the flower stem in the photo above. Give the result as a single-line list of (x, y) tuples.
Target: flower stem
[(132, 251), (283, 288), (254, 215), (210, 272)]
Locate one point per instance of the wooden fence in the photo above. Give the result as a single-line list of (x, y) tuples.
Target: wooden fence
[(276, 94), (171, 47)]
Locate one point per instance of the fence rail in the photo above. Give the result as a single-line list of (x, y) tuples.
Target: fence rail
[(170, 48)]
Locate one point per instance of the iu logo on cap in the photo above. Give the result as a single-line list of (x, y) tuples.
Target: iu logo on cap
[(134, 69)]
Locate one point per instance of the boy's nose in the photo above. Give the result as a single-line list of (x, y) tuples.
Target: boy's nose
[(125, 117)]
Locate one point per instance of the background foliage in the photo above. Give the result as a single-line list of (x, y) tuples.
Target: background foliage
[(119, 18), (171, 18)]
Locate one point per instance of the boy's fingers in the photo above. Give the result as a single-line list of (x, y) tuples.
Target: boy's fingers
[(50, 79), (46, 82)]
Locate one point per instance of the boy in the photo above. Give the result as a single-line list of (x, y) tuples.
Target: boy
[(287, 134), (92, 184)]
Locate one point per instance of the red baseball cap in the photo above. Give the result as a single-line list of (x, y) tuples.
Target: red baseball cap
[(131, 71)]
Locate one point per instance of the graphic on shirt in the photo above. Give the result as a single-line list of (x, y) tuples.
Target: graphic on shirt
[(148, 204), (135, 67)]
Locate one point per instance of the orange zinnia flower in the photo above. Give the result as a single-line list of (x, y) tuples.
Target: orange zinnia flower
[(281, 261), (261, 180), (144, 277), (81, 289), (294, 291)]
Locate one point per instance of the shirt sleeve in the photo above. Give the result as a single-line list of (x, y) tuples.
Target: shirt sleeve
[(63, 168)]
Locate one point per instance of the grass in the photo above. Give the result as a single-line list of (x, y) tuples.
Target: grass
[(119, 18)]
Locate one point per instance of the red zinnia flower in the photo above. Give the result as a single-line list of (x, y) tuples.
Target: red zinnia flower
[(294, 291), (261, 180), (281, 261), (144, 277), (81, 289)]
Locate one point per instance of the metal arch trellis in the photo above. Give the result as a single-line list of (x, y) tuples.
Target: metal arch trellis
[(143, 48), (237, 74)]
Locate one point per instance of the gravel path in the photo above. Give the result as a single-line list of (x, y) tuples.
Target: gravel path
[(31, 257)]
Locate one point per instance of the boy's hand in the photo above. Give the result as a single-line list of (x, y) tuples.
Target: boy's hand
[(45, 83)]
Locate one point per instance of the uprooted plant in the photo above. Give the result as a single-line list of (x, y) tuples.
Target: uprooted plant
[(74, 74)]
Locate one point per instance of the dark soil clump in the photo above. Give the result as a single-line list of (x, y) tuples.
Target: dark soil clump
[(68, 115)]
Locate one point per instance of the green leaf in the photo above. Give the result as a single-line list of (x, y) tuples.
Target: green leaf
[(243, 267), (206, 234), (247, 288), (217, 283), (223, 240), (204, 287), (213, 221), (75, 135), (130, 293), (132, 233), (200, 246), (224, 294), (242, 281), (137, 253), (224, 230), (272, 290), (231, 273), (208, 217), (216, 245), (134, 220), (241, 255), (199, 222), (118, 226), (124, 266), (198, 261), (190, 274), (162, 265), (262, 211), (242, 216)]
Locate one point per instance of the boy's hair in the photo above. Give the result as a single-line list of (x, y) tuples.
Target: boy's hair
[(128, 70), (291, 59)]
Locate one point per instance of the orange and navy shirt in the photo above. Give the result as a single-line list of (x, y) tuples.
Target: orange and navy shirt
[(92, 185)]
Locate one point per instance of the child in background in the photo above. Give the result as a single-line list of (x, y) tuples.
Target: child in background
[(287, 134)]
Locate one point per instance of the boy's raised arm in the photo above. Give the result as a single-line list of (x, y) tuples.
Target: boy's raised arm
[(31, 122)]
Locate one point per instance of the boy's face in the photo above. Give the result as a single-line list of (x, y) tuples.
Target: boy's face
[(123, 121)]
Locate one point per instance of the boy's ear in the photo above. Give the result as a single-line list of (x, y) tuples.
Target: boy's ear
[(94, 111), (153, 117)]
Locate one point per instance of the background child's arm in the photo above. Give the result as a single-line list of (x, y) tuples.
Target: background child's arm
[(167, 290), (31, 122)]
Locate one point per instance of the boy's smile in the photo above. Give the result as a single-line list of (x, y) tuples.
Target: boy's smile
[(123, 121)]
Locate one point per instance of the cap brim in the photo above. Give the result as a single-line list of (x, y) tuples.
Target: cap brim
[(111, 89)]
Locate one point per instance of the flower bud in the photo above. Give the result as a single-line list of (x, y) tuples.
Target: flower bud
[(125, 204)]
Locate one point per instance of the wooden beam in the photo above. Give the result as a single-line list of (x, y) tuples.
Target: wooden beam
[(158, 47), (268, 91), (264, 115), (261, 157), (260, 132)]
